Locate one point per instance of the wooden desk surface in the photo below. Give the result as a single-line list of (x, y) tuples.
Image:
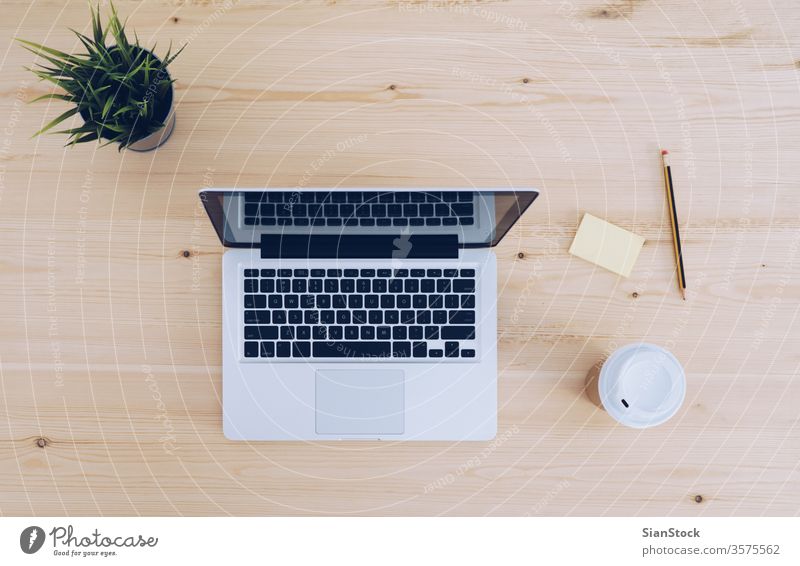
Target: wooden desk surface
[(110, 337)]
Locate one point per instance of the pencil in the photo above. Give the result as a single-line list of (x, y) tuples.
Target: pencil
[(673, 216)]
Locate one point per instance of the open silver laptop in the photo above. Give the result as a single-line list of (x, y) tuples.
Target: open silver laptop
[(360, 314)]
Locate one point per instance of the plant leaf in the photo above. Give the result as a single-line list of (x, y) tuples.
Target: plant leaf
[(58, 120)]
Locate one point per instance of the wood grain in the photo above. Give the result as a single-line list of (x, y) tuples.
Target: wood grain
[(110, 337)]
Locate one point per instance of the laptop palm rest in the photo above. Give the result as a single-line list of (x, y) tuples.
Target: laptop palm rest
[(360, 402)]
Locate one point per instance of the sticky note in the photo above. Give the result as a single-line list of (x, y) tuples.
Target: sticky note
[(606, 245)]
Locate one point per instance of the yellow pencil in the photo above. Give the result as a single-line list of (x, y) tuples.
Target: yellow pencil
[(673, 215)]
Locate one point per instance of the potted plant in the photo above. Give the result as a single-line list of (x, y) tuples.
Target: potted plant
[(123, 92)]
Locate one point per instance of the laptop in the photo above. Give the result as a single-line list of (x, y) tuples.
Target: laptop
[(360, 314)]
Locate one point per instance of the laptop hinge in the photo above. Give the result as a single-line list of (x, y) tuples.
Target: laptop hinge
[(377, 246)]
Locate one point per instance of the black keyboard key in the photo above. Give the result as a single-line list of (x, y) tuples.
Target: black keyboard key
[(451, 301), (467, 273), (251, 272), (435, 301), (351, 272), (284, 273), (291, 301), (384, 273), (433, 221), (468, 301), (267, 349), (451, 349), (412, 286), (419, 301), (363, 286), (417, 273), (251, 285), (407, 317), (287, 333), (379, 286), (339, 301), (399, 221), (351, 332), (368, 333), (295, 317), (450, 221), (256, 317), (415, 332), (416, 221), (420, 349), (395, 286), (399, 332), (251, 349), (451, 272), (315, 285), (283, 285), (255, 302), (367, 273), (391, 317), (324, 301), (331, 286), (462, 317), (384, 332), (444, 286), (375, 317), (462, 209), (464, 196), (334, 273), (401, 349), (426, 210), (355, 301), (342, 317), (431, 333), (394, 210), (267, 273), (463, 285), (401, 272), (267, 286), (435, 353), (402, 196), (320, 332), (301, 272), (428, 286), (403, 301), (440, 317), (449, 196), (348, 286), (260, 333), (299, 286), (352, 349), (250, 221), (308, 301), (301, 349), (384, 221), (423, 317), (278, 317), (334, 332), (311, 316), (327, 317), (366, 222), (283, 349), (434, 273), (359, 317), (458, 333), (317, 273)]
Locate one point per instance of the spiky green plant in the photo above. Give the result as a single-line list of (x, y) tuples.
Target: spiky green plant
[(122, 91)]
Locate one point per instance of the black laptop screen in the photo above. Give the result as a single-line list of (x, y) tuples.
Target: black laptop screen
[(477, 218)]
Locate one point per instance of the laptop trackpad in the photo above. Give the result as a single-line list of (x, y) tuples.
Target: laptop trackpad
[(360, 401)]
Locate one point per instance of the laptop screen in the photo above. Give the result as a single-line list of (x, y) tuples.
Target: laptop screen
[(478, 218)]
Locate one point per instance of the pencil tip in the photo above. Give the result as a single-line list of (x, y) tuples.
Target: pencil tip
[(664, 152)]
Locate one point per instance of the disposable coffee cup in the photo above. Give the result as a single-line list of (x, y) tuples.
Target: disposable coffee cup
[(640, 385)]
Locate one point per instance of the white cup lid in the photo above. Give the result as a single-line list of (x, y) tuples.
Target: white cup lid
[(642, 385)]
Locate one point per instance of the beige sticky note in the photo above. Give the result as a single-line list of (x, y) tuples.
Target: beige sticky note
[(606, 245)]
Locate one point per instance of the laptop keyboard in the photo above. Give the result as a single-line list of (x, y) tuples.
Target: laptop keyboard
[(356, 313), (359, 208)]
